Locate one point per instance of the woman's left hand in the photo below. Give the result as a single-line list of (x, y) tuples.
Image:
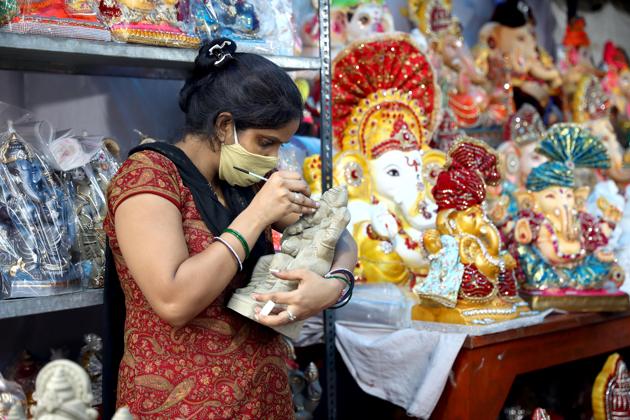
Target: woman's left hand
[(314, 294)]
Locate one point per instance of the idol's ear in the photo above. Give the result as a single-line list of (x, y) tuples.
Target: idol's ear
[(525, 200), (351, 169), (432, 164), (581, 195)]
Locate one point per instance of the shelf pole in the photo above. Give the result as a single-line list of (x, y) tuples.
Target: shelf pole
[(326, 155)]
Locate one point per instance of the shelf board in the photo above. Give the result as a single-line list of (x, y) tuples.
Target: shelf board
[(13, 308), (79, 56)]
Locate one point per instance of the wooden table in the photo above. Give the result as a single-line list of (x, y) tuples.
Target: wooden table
[(487, 365)]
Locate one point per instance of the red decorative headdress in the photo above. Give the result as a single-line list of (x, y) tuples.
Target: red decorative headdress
[(614, 57), (471, 166), (575, 35), (378, 83)]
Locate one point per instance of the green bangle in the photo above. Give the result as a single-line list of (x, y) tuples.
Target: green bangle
[(343, 279), (240, 239)]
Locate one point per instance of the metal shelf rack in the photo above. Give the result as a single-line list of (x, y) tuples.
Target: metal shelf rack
[(79, 56), (13, 308)]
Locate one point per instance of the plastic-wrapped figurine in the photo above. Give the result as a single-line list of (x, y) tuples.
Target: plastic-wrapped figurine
[(611, 391), (263, 27), (40, 220), (63, 18), (11, 394), (354, 20), (156, 22), (8, 10), (471, 280), (90, 184), (384, 112), (533, 74), (562, 247)]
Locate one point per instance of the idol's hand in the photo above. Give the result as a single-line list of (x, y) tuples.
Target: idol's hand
[(284, 194), (313, 294)]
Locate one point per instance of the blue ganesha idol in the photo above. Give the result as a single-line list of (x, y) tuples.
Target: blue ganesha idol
[(561, 248), (37, 225)]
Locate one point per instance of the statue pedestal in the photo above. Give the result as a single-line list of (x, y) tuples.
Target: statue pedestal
[(577, 300), (471, 313)]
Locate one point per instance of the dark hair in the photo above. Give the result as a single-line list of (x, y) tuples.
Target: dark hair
[(257, 92)]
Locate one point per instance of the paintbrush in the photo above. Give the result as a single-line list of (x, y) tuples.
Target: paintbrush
[(262, 178)]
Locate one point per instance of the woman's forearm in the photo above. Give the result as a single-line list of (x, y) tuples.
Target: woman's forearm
[(345, 252), (215, 267)]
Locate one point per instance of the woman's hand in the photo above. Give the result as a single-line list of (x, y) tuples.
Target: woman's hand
[(285, 193), (313, 295)]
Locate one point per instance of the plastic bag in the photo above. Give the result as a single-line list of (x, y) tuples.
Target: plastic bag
[(62, 18), (382, 303), (88, 193), (38, 222), (156, 22), (257, 26), (11, 394)]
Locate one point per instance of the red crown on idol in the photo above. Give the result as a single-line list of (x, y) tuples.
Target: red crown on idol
[(470, 167)]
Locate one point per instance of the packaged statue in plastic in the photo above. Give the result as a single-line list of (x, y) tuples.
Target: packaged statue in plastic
[(88, 186), (63, 18), (11, 395), (257, 26), (155, 22), (37, 223)]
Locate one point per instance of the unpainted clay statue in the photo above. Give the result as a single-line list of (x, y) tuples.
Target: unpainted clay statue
[(63, 392), (309, 244)]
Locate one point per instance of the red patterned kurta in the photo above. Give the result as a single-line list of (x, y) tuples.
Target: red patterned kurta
[(219, 366)]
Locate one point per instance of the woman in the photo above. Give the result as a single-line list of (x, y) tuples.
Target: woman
[(182, 222)]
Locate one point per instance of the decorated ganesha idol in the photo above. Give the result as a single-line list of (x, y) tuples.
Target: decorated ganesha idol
[(616, 82), (590, 106), (471, 280), (351, 20), (522, 134), (155, 22), (385, 105), (562, 248), (463, 82), (577, 61), (509, 35)]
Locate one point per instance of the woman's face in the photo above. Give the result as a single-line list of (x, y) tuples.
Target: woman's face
[(265, 141)]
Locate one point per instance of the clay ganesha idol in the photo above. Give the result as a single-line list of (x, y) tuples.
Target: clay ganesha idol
[(309, 243), (561, 248), (471, 279)]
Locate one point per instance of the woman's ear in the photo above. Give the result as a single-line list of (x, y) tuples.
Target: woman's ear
[(224, 128)]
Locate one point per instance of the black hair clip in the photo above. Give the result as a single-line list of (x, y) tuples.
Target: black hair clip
[(220, 52)]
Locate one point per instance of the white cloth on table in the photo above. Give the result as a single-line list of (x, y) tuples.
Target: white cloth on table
[(408, 367)]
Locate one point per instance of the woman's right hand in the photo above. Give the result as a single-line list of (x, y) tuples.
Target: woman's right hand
[(285, 193)]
